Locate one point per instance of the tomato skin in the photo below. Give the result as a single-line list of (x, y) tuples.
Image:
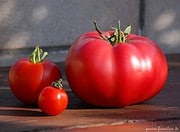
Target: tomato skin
[(27, 79), (52, 101), (120, 75)]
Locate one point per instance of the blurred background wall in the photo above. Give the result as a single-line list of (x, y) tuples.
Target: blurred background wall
[(57, 23)]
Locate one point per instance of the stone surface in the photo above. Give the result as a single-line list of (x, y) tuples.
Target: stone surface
[(60, 22), (14, 115), (162, 23), (10, 56)]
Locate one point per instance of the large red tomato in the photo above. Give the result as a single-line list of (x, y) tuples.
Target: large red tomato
[(27, 77), (115, 68)]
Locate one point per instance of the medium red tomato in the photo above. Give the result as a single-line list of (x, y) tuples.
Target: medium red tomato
[(53, 99), (115, 68), (27, 77)]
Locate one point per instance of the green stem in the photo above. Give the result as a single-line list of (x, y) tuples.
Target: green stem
[(119, 31), (57, 84), (99, 31), (117, 37), (38, 55)]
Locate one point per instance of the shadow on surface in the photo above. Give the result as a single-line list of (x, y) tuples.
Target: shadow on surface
[(21, 112)]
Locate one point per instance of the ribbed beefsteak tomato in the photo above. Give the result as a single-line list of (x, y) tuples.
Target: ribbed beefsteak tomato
[(115, 68)]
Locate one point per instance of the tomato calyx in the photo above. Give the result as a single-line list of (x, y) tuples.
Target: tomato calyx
[(57, 84), (118, 36), (38, 55)]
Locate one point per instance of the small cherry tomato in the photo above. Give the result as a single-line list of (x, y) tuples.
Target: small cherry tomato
[(53, 99)]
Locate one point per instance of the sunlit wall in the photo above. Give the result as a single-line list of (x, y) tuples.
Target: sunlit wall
[(23, 23), (162, 23)]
